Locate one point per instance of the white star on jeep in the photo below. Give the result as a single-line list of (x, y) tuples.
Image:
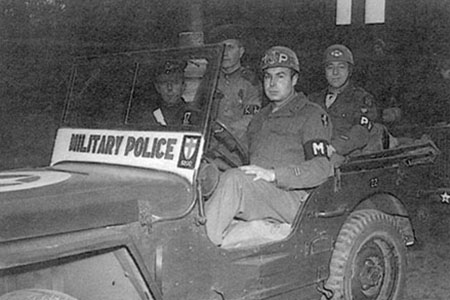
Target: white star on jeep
[(445, 198)]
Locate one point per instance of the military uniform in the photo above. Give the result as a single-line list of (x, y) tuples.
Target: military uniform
[(172, 115), (171, 109), (239, 99), (293, 142), (352, 114)]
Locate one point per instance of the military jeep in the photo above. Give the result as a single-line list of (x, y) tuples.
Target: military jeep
[(118, 213)]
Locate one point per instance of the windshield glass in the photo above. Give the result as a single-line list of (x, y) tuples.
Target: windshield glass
[(155, 90)]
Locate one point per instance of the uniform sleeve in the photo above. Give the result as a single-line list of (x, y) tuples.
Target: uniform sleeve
[(364, 116), (316, 168)]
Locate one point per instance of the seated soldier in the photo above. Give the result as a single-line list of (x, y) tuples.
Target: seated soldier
[(287, 142), (351, 109), (171, 109)]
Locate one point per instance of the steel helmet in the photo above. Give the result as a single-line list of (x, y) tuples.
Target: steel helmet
[(338, 53), (279, 56)]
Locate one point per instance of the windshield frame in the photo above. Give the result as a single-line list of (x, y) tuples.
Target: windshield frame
[(212, 53)]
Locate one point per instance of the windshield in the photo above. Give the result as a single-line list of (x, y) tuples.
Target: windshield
[(154, 90)]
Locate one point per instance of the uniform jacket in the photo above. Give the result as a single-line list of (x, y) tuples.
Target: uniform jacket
[(240, 99), (352, 115), (171, 115), (292, 141)]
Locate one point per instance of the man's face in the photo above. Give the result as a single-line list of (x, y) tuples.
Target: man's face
[(279, 83), (232, 54), (171, 88), (337, 73)]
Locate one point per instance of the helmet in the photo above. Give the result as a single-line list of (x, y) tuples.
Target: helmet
[(338, 53), (170, 69), (280, 56)]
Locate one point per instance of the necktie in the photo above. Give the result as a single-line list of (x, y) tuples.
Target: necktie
[(330, 99)]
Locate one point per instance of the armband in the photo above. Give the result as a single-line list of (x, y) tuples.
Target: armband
[(366, 123), (251, 109), (316, 148)]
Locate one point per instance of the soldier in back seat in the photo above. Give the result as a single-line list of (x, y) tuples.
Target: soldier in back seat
[(352, 110)]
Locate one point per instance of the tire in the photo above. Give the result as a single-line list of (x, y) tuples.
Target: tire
[(369, 259), (36, 294)]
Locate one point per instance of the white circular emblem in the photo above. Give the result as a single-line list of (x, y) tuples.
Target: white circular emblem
[(17, 180)]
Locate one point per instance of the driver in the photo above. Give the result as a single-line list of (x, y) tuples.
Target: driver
[(288, 142), (171, 109)]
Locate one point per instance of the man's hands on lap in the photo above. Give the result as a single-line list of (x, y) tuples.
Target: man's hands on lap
[(260, 173)]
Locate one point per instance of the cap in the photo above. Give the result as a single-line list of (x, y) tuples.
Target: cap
[(280, 56), (169, 68), (338, 53), (226, 32)]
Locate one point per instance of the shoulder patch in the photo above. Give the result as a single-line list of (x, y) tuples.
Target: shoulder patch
[(325, 120), (251, 109)]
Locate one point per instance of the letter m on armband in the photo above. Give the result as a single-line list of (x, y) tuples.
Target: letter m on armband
[(316, 148)]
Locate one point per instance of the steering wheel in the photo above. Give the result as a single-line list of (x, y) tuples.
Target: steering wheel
[(227, 147)]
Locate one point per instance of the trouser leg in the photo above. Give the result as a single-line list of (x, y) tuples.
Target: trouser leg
[(223, 205), (237, 195)]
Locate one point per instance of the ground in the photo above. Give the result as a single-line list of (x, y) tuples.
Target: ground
[(429, 258)]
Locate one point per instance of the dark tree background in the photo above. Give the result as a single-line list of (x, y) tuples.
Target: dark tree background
[(38, 39)]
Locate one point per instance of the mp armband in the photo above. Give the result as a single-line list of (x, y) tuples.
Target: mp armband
[(316, 148), (251, 109), (366, 123)]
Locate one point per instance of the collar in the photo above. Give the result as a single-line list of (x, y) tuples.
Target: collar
[(232, 72), (276, 108), (337, 91), (295, 103)]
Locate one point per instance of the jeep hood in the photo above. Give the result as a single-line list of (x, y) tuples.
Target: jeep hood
[(75, 196)]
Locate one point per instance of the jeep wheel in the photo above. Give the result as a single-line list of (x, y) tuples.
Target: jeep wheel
[(36, 294), (369, 259)]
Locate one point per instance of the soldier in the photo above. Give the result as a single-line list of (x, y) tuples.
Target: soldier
[(351, 109), (238, 88), (288, 143), (171, 109)]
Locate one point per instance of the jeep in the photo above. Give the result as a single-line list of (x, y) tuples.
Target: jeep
[(119, 212)]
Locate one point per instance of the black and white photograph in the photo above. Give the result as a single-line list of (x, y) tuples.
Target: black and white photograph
[(224, 149)]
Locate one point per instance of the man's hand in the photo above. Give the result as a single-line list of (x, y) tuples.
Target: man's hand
[(260, 173)]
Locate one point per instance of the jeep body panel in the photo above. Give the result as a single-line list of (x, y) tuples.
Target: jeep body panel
[(86, 196)]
